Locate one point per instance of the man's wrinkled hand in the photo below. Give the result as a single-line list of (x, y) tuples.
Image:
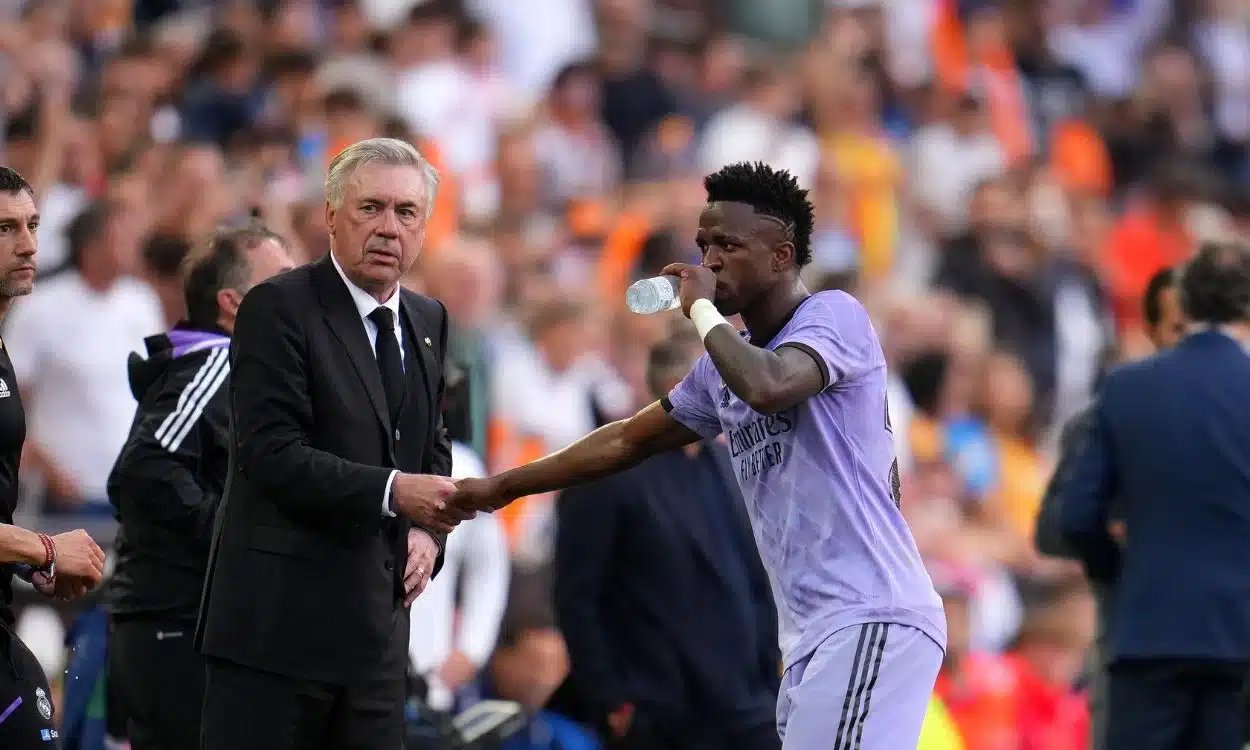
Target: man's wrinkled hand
[(422, 555), (697, 282), (425, 500), (479, 495)]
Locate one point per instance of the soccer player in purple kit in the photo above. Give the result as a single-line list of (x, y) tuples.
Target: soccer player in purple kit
[(801, 398)]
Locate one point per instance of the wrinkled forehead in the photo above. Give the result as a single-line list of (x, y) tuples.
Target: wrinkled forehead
[(387, 183)]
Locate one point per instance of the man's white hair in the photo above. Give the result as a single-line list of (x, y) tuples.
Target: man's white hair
[(389, 151)]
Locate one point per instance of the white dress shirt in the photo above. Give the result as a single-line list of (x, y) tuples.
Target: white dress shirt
[(366, 304)]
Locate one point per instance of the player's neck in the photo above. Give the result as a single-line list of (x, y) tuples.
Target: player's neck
[(767, 316)]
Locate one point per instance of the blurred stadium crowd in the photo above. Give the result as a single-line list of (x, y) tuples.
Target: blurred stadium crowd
[(996, 180)]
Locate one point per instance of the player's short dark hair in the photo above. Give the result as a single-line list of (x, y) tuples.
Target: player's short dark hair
[(13, 183), (1152, 302), (771, 192), (1215, 284), (220, 263)]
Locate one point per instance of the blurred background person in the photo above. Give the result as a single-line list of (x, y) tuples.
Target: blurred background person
[(166, 486), (662, 598)]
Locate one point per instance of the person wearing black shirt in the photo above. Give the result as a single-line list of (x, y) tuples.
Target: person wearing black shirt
[(64, 566), (166, 485)]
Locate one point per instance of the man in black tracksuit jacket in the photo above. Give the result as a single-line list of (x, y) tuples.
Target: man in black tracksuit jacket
[(165, 488)]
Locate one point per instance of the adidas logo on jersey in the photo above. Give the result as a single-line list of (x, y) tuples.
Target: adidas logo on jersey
[(4, 389)]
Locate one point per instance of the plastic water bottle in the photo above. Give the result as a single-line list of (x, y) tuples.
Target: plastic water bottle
[(653, 295)]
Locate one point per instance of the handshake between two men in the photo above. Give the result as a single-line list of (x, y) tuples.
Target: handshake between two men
[(436, 504)]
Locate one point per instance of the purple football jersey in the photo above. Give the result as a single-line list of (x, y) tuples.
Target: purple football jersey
[(821, 483)]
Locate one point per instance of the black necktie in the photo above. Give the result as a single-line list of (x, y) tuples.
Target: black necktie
[(389, 362)]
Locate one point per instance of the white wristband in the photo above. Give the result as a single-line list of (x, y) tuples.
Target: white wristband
[(705, 317)]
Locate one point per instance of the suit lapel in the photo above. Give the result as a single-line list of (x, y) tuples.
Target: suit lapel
[(417, 331), (344, 321)]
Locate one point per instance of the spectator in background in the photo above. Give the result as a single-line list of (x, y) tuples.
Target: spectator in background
[(456, 620), (951, 157), (468, 280), (577, 154), (77, 395), (759, 128), (162, 264), (1045, 663), (1150, 235), (1180, 638), (662, 598), (1009, 412), (529, 664), (545, 395), (224, 99)]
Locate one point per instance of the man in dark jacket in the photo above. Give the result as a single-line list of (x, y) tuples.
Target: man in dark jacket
[(1165, 325), (1167, 442), (166, 485), (663, 601)]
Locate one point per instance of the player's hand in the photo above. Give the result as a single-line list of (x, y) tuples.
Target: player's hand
[(79, 557), (422, 554), (63, 586), (423, 498), (479, 495), (697, 282)]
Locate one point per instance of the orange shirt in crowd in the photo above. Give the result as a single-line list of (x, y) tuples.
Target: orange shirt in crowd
[(1022, 478), (982, 701), (870, 172), (1140, 245), (1079, 156), (1050, 717), (999, 702), (991, 71)]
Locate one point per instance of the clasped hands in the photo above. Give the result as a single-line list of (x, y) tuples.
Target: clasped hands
[(435, 504)]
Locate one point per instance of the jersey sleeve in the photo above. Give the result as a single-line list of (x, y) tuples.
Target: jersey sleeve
[(691, 401), (835, 330)]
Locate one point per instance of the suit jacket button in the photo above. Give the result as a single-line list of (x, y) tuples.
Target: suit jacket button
[(389, 565), (397, 435)]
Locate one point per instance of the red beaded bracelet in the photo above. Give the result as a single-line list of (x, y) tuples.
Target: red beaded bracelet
[(49, 552)]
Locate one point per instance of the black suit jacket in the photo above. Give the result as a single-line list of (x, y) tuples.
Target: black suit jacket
[(305, 573), (1170, 435), (646, 608)]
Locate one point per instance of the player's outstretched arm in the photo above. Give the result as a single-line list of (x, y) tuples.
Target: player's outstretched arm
[(607, 450)]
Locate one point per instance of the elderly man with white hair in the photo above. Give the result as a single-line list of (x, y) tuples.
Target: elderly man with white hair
[(335, 513)]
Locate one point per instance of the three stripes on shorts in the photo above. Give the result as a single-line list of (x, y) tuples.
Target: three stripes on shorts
[(863, 678)]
